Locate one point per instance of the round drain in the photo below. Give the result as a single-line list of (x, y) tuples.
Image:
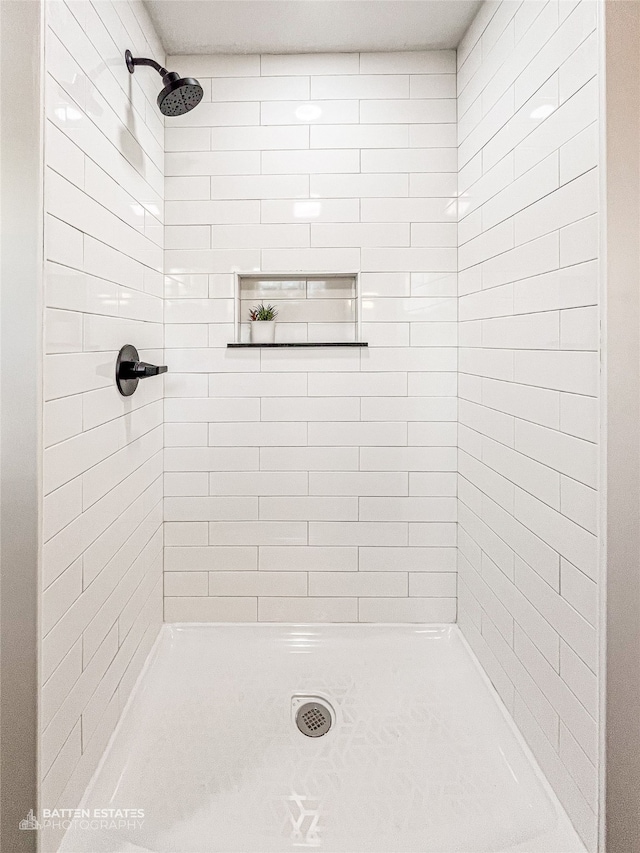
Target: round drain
[(313, 719)]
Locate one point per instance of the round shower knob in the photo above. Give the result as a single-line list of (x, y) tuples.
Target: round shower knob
[(130, 370)]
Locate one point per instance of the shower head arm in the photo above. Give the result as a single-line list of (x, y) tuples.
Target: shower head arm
[(132, 61)]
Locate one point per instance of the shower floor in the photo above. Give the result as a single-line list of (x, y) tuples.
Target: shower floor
[(421, 757)]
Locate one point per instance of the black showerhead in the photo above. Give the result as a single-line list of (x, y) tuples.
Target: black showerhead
[(180, 94)]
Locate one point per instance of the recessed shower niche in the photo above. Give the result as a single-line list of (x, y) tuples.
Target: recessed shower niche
[(320, 309)]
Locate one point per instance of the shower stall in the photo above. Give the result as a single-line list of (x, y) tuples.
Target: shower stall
[(319, 417)]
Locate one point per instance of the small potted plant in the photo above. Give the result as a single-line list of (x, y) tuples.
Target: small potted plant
[(263, 323)]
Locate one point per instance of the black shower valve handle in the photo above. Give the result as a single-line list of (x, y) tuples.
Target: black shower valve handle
[(129, 370), (140, 369)]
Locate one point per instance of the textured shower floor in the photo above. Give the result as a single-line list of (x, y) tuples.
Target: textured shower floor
[(421, 757)]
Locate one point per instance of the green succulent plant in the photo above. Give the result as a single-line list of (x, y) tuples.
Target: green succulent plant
[(263, 312)]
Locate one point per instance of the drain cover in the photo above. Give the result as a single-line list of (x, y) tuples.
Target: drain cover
[(313, 719)]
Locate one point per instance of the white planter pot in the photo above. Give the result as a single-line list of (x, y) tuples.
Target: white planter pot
[(263, 331)]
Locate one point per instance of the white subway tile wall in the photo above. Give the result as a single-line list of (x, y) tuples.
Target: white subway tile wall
[(103, 485), (313, 485), (528, 381)]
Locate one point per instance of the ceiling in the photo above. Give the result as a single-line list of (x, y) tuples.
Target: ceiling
[(309, 26)]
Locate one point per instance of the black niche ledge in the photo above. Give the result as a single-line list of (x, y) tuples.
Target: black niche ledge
[(331, 344)]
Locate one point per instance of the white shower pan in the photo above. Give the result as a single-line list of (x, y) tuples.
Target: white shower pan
[(421, 755)]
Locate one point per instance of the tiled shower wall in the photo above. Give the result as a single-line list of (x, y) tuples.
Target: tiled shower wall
[(313, 484), (102, 530), (529, 339)]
